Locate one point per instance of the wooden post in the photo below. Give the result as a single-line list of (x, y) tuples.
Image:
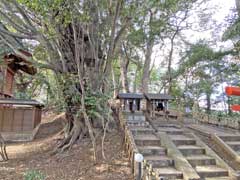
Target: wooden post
[(8, 82), (153, 107)]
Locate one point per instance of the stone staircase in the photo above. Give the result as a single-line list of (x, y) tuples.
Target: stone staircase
[(204, 164), (233, 141), (149, 145)]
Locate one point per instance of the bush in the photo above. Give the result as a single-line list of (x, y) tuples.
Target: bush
[(34, 175)]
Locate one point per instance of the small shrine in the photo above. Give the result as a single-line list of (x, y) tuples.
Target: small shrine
[(18, 118), (131, 101), (157, 103)]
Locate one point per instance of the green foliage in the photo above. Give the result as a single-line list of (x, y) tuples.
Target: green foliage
[(232, 31), (34, 175), (200, 53)]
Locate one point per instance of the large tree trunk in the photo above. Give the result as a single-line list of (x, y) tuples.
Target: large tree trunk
[(75, 55), (124, 69), (146, 67), (148, 59)]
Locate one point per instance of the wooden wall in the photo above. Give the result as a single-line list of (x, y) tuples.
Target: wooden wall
[(19, 119)]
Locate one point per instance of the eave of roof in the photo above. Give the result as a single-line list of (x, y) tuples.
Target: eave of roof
[(18, 62), (130, 96), (152, 96), (20, 102)]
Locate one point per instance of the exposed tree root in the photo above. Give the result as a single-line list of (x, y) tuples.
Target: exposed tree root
[(3, 152)]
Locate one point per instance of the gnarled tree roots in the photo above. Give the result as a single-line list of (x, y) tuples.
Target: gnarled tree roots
[(3, 152)]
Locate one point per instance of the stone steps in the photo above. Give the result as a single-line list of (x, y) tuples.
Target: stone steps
[(168, 173), (204, 165), (152, 150), (178, 141), (217, 178), (136, 123), (211, 171), (146, 140), (200, 160), (141, 131), (235, 145), (159, 161), (149, 145), (171, 130), (191, 149), (230, 137)]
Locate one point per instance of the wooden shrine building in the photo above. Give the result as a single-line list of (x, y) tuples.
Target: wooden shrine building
[(131, 101), (157, 103), (18, 118)]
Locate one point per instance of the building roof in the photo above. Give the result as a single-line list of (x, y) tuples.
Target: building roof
[(19, 62), (130, 96), (20, 102), (152, 96)]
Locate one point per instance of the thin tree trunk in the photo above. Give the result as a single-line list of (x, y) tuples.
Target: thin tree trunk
[(208, 103), (123, 70), (170, 62), (115, 89)]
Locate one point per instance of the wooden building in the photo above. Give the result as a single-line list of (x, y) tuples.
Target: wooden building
[(19, 119), (157, 103), (131, 101)]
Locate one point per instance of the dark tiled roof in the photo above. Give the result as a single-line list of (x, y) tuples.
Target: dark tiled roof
[(130, 96), (151, 96)]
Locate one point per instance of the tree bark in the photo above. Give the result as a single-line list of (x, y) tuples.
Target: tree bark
[(208, 103), (124, 70), (146, 67), (3, 152)]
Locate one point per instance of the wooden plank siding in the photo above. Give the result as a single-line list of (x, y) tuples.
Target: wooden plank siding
[(19, 119)]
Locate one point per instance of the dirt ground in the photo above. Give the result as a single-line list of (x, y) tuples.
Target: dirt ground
[(76, 164)]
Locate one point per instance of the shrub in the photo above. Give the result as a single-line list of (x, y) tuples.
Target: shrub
[(34, 175)]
